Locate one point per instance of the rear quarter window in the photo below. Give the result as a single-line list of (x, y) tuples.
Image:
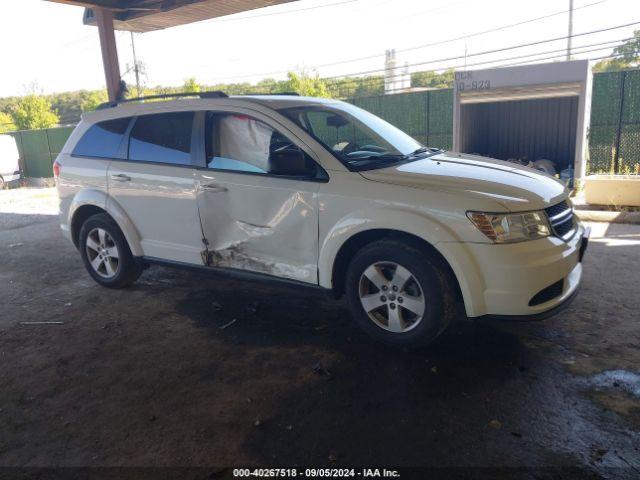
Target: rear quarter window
[(103, 139)]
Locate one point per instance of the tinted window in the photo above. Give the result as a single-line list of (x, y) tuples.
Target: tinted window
[(163, 137), (244, 144), (102, 139)]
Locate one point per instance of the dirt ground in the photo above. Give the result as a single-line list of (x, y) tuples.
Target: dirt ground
[(188, 370)]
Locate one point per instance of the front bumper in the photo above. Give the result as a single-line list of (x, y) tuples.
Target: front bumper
[(10, 177), (513, 274)]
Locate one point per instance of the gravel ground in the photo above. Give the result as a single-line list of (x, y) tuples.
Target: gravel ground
[(187, 370)]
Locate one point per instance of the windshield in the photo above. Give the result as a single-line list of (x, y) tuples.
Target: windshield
[(359, 139)]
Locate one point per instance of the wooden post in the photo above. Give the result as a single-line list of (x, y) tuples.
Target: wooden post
[(104, 20)]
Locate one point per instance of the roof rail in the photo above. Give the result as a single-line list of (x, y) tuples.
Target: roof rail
[(210, 94)]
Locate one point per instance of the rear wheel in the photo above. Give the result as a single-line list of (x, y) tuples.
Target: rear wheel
[(399, 294), (106, 254)]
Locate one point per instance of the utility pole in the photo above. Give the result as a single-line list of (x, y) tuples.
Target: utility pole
[(135, 64), (570, 30)]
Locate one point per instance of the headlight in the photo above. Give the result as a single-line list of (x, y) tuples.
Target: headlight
[(511, 227)]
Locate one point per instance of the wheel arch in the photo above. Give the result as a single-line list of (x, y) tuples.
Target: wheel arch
[(359, 240), (91, 202)]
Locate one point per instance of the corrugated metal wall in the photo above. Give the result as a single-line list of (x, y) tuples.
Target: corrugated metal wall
[(522, 129)]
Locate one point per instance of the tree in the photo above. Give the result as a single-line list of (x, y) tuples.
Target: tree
[(433, 79), (190, 85), (6, 123), (305, 84), (33, 111), (93, 100), (629, 53)]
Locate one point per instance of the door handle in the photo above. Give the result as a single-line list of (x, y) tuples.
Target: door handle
[(121, 177), (213, 187)]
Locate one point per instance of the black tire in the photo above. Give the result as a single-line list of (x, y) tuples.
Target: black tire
[(2, 182), (433, 277), (128, 270)]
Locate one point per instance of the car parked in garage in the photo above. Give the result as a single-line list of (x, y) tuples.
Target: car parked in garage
[(318, 193)]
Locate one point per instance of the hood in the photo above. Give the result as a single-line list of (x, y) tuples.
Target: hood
[(515, 187)]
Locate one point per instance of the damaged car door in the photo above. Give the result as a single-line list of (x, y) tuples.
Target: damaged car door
[(258, 199)]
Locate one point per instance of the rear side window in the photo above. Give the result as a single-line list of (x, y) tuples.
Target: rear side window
[(103, 139), (162, 137)]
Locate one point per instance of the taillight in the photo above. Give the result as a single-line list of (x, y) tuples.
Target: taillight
[(57, 168)]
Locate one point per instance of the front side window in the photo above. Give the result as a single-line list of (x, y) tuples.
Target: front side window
[(356, 137), (103, 139), (162, 137), (241, 143)]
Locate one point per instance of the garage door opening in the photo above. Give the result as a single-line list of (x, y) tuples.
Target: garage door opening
[(525, 114), (526, 130)]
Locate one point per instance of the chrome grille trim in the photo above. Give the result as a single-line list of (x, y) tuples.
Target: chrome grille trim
[(561, 220)]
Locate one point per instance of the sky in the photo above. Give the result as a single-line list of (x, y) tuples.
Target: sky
[(47, 48)]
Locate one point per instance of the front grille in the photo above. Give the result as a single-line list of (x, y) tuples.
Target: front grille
[(561, 219)]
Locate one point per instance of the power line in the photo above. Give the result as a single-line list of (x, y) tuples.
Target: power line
[(512, 64), (522, 45), (610, 44), (417, 47)]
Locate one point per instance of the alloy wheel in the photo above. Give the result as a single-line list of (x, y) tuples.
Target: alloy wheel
[(392, 297), (102, 253)]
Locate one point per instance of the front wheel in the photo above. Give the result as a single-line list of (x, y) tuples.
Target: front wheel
[(106, 254), (400, 294)]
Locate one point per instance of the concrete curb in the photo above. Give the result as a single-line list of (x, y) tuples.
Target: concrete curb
[(608, 216)]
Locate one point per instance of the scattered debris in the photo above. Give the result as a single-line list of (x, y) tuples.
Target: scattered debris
[(321, 327), (249, 400), (321, 370), (216, 306), (13, 245), (153, 418), (516, 434), (228, 324), (257, 423), (495, 424), (332, 457), (252, 307), (68, 304), (289, 427), (434, 369)]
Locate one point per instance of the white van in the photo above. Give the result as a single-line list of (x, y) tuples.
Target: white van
[(9, 167)]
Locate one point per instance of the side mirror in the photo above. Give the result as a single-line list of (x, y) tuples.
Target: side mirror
[(291, 162)]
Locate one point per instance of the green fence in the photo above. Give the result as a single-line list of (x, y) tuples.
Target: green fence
[(426, 116), (614, 134), (39, 148)]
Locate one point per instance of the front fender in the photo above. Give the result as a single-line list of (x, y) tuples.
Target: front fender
[(436, 233)]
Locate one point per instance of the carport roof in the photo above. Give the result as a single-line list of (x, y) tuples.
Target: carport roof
[(149, 15)]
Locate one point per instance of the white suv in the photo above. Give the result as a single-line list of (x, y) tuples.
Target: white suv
[(319, 193)]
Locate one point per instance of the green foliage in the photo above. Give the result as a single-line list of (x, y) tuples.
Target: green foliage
[(6, 123), (307, 85), (611, 65), (433, 79), (91, 101), (190, 85), (630, 56), (33, 111)]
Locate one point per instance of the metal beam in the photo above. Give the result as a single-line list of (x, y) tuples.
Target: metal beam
[(104, 20)]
